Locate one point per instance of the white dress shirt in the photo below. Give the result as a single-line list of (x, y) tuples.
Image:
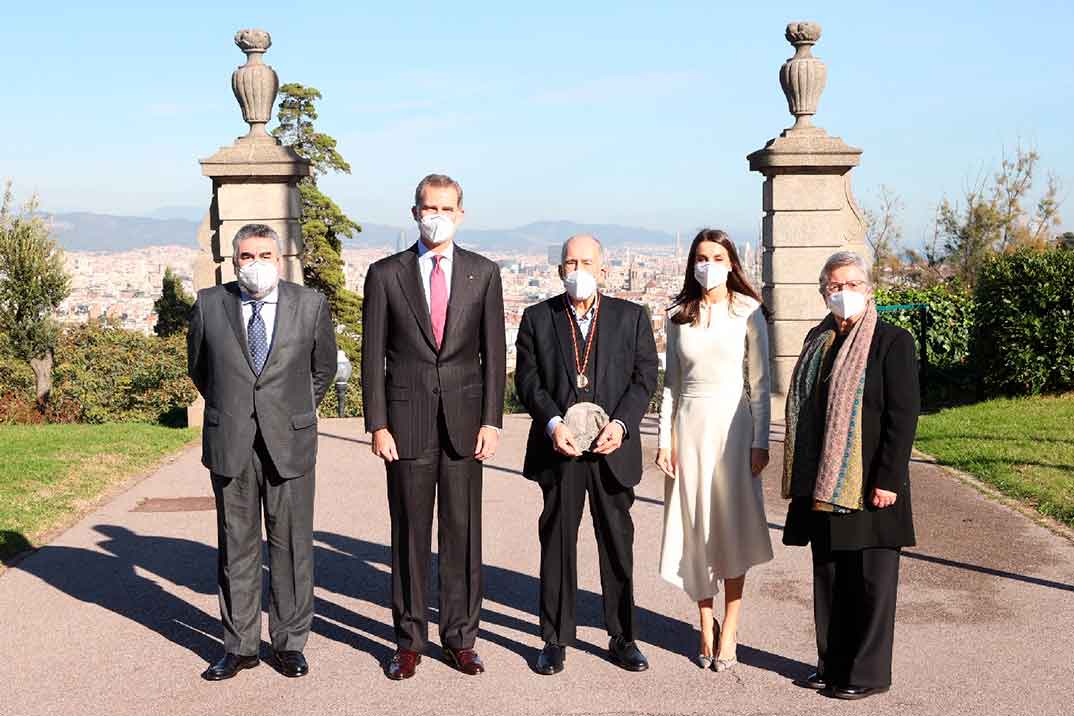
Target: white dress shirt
[(426, 263), (268, 312)]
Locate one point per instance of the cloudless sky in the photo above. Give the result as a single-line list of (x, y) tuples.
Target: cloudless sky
[(606, 111)]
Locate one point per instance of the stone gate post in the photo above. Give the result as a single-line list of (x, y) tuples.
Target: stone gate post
[(255, 179), (809, 209)]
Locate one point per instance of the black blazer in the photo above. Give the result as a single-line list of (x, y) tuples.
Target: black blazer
[(283, 400), (890, 407), (405, 379), (624, 378)]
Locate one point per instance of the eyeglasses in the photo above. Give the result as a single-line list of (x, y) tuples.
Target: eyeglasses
[(832, 287)]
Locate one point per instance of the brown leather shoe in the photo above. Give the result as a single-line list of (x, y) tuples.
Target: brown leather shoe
[(465, 660), (403, 664)]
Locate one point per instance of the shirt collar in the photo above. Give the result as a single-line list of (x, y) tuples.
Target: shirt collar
[(588, 314), (424, 252), (273, 297)]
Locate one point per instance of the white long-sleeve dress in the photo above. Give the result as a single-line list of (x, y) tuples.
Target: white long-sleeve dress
[(714, 518)]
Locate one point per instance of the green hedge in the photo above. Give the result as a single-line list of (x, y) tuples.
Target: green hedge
[(116, 375), (950, 320), (104, 373), (1025, 322), (949, 340)]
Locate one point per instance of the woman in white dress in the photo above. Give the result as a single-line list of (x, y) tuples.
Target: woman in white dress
[(714, 422)]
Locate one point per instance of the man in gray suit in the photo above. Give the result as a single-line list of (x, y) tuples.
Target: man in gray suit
[(263, 353)]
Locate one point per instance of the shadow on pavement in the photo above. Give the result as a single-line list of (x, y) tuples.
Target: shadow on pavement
[(109, 580), (989, 570), (346, 566), (1039, 581)]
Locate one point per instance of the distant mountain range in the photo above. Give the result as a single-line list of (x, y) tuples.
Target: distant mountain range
[(177, 226)]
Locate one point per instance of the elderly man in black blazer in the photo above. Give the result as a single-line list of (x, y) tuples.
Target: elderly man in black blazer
[(433, 373), (584, 347), (262, 352), (851, 418)]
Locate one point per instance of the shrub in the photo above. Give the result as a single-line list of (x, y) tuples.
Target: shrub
[(949, 341), (116, 375), (1025, 322)]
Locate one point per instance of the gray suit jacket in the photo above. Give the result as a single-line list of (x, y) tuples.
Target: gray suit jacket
[(283, 400)]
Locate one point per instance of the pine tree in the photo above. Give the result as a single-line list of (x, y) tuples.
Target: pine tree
[(173, 306), (324, 225)]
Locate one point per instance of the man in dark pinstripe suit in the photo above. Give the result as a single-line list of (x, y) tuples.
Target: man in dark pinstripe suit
[(433, 372)]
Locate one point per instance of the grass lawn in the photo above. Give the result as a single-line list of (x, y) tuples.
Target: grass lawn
[(49, 474), (1024, 447)]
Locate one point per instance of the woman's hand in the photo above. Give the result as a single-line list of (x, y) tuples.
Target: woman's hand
[(758, 460), (883, 498), (667, 461)]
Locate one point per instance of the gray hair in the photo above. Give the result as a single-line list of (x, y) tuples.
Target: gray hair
[(600, 248), (440, 181), (255, 231), (840, 259)]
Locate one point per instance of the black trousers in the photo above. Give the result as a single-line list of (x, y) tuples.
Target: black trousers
[(288, 511), (854, 593), (609, 505), (453, 483)]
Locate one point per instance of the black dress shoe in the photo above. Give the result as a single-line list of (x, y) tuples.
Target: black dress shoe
[(853, 693), (550, 660), (290, 663), (814, 681), (626, 654), (227, 667)]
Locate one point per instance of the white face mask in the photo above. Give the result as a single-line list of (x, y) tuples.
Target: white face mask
[(436, 229), (711, 274), (846, 304), (258, 278), (580, 285)]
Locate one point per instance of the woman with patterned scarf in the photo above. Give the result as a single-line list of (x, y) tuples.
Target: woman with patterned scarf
[(852, 411)]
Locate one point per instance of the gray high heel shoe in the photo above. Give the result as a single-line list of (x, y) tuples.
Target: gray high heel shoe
[(705, 662), (726, 664)]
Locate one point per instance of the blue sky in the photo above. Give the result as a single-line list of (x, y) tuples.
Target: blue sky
[(612, 112)]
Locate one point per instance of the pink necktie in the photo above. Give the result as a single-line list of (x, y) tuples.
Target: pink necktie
[(438, 300)]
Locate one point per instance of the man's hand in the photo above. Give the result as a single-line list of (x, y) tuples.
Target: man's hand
[(563, 441), (609, 439), (667, 461), (883, 498), (487, 441), (384, 445), (758, 460)]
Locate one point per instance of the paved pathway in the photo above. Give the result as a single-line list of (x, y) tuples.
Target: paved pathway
[(118, 615)]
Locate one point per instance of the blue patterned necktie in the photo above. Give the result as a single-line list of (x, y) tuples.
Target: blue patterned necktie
[(258, 338)]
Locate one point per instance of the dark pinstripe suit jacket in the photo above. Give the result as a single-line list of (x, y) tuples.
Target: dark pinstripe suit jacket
[(405, 378)]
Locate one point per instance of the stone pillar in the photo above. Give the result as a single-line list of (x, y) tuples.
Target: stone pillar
[(809, 209), (255, 179)]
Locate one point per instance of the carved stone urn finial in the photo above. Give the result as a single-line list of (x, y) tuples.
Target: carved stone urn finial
[(255, 85), (803, 76)]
